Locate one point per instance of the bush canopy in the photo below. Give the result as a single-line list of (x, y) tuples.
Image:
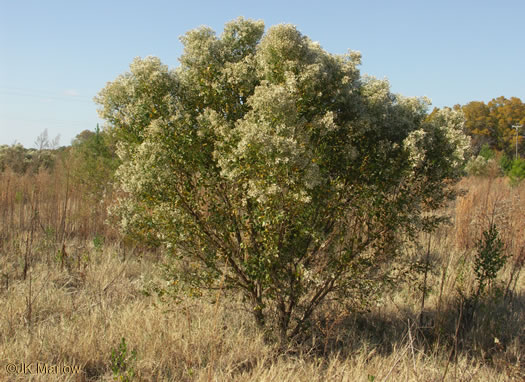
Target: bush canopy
[(273, 167)]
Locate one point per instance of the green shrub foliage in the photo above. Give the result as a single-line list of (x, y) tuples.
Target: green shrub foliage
[(517, 171), (94, 163), (490, 258), (276, 168), (505, 163)]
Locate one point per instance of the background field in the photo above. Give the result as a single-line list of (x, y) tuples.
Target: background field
[(75, 293)]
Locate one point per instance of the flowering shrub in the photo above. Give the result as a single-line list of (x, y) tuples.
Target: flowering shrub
[(479, 166), (277, 167)]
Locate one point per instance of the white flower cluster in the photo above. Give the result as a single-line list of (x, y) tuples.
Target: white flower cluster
[(415, 145), (452, 126), (478, 166), (443, 132)]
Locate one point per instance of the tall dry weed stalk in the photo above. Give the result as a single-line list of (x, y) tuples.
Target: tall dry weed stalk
[(41, 216), (54, 202)]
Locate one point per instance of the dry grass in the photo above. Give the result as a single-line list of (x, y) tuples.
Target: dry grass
[(54, 204), (74, 309)]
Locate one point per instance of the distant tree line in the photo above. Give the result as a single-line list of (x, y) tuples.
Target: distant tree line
[(492, 128), (89, 162), (492, 124), (23, 160)]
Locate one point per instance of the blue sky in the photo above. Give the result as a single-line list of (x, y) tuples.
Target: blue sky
[(56, 55)]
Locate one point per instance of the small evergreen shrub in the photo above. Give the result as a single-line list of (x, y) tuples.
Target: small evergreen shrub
[(486, 152), (489, 258), (517, 171), (505, 163)]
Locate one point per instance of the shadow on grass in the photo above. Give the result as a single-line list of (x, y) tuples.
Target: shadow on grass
[(494, 329)]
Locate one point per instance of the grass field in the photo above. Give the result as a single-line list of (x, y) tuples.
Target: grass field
[(74, 295)]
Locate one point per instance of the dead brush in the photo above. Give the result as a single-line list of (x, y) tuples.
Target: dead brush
[(493, 201)]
